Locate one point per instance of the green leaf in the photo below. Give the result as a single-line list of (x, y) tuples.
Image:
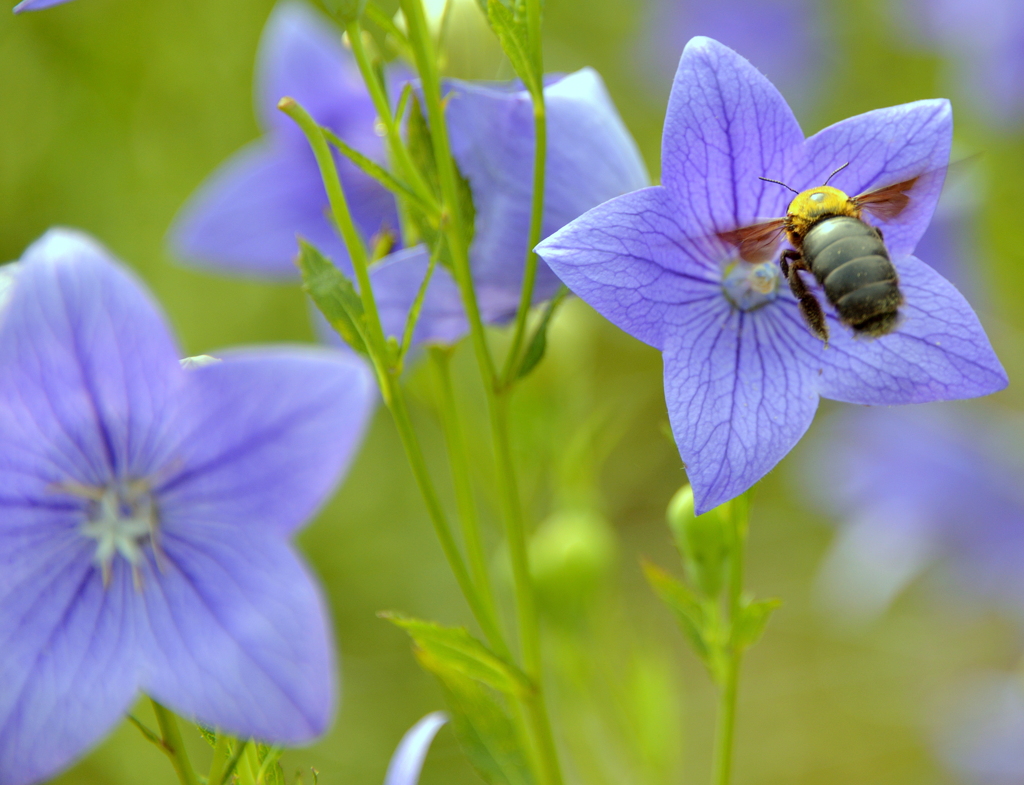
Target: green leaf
[(510, 28), (460, 652), (207, 733), (334, 294), (380, 174), (482, 723), (270, 772), (539, 342), (345, 11), (686, 605), (752, 619)]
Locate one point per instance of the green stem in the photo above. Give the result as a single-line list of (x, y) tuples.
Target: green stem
[(387, 373), (726, 725), (174, 744), (453, 223), (536, 219), (221, 755)]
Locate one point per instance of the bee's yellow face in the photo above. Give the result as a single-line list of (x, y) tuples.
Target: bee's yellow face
[(814, 203)]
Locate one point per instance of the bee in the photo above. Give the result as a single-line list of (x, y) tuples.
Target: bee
[(844, 253)]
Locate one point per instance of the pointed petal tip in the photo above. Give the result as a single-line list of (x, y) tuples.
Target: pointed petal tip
[(407, 762)]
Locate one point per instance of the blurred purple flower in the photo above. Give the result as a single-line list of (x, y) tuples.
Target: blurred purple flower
[(37, 5), (145, 516), (783, 38), (407, 762), (985, 40), (743, 373), (915, 486), (591, 158), (983, 740), (246, 216)]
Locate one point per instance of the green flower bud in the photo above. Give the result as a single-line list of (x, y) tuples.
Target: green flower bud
[(705, 542), (571, 557)]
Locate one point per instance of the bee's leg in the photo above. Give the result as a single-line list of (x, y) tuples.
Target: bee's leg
[(809, 305), (788, 255)]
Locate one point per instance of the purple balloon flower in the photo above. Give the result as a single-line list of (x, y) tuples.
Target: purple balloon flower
[(407, 762), (591, 158), (912, 487), (743, 373), (246, 216), (145, 516), (37, 5)]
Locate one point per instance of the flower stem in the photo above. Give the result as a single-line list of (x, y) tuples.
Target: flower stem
[(386, 369), (540, 134), (729, 683), (221, 755), (455, 234), (173, 744), (459, 460)]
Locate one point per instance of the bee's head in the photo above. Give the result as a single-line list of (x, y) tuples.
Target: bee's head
[(821, 201)]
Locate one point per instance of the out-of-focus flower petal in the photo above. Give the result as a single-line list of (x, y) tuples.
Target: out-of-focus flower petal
[(884, 147), (37, 5), (90, 368), (726, 126), (629, 259), (591, 158), (407, 762), (265, 435), (940, 352), (301, 56), (244, 219), (69, 666), (233, 632), (396, 282), (737, 398), (246, 216)]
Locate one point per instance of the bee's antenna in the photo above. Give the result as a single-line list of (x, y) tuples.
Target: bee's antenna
[(837, 171), (778, 182)]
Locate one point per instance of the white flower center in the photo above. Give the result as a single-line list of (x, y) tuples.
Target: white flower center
[(122, 520), (749, 286)]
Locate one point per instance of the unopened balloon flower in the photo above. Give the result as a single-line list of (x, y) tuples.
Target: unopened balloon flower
[(743, 373), (146, 510)]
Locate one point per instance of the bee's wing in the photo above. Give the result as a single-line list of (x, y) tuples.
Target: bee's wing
[(756, 243), (888, 202)]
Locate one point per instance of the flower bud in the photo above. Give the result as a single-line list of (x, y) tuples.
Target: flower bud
[(704, 541), (571, 556)]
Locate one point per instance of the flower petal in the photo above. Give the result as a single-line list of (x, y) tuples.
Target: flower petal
[(89, 368), (396, 282), (940, 351), (264, 437), (591, 158), (737, 398), (726, 126), (629, 259), (245, 217), (236, 634), (407, 762), (884, 147), (69, 664), (37, 5), (301, 56)]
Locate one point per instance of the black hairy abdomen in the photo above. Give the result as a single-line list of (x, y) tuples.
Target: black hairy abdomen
[(850, 261)]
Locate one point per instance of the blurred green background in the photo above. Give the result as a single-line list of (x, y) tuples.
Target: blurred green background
[(113, 111)]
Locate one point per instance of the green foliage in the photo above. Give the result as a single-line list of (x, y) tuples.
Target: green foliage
[(345, 11), (688, 607), (477, 684), (334, 294), (753, 617), (509, 24), (458, 651), (539, 341)]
